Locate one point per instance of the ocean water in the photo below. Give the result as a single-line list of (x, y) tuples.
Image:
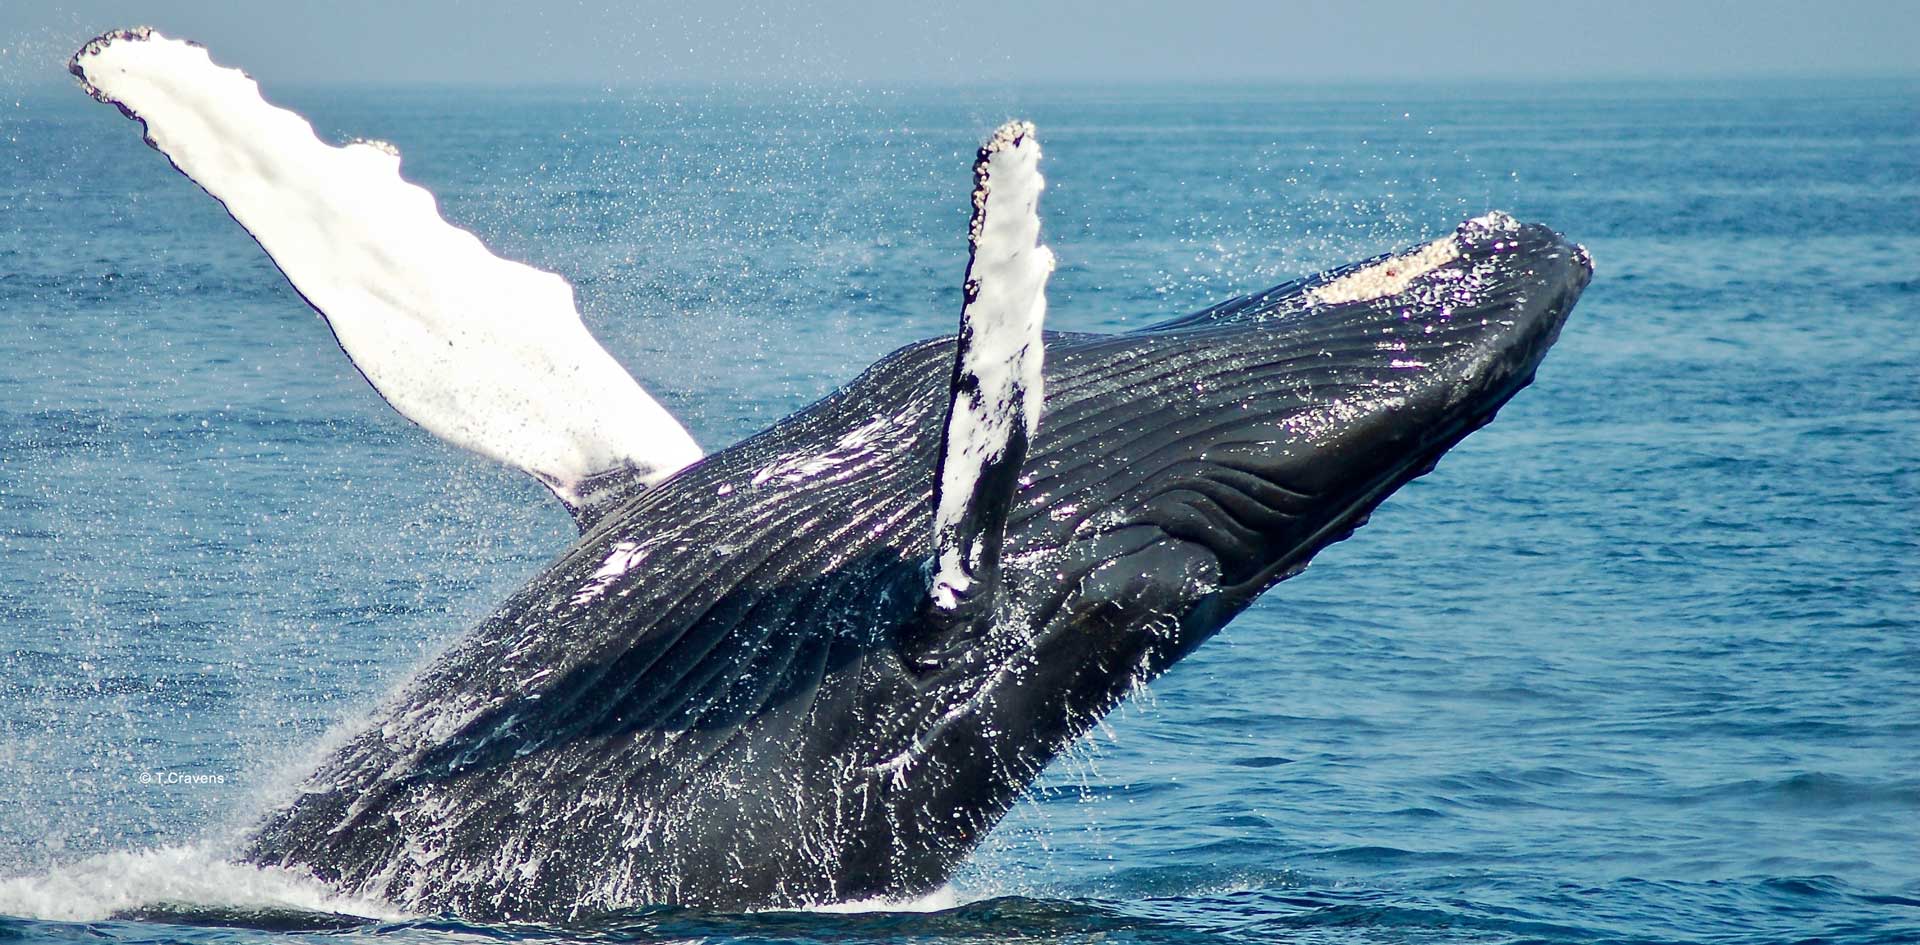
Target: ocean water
[(1638, 663)]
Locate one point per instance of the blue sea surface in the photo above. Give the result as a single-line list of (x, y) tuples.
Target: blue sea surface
[(1640, 662)]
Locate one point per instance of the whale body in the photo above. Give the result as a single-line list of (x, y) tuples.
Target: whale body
[(729, 694), (821, 664)]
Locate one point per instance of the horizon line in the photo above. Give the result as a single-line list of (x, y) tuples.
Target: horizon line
[(1558, 83)]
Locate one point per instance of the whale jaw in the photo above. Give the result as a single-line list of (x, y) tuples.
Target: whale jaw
[(732, 694)]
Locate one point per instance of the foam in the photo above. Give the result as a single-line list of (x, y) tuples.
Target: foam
[(940, 900), (99, 887)]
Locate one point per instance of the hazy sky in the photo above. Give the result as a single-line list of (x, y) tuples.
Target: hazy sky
[(611, 43)]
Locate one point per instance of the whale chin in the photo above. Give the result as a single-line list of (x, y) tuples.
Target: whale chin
[(733, 693)]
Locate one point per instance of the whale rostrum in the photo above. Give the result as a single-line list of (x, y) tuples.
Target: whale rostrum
[(819, 665)]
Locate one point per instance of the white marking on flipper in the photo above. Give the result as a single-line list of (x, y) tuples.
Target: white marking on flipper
[(486, 353), (997, 383)]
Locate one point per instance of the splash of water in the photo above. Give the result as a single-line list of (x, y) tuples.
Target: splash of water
[(940, 900), (111, 884)]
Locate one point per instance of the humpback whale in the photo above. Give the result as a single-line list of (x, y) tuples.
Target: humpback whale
[(820, 664)]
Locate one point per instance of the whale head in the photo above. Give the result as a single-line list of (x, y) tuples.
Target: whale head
[(1182, 471)]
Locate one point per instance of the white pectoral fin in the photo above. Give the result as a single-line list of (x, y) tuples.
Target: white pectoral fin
[(484, 352), (996, 395)]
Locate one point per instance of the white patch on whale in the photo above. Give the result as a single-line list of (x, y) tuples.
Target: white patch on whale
[(486, 353), (620, 559), (1001, 346), (1389, 277), (1395, 275)]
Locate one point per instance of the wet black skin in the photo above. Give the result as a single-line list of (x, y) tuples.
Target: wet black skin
[(760, 709)]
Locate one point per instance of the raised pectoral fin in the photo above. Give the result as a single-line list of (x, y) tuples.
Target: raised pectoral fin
[(486, 353), (996, 395)]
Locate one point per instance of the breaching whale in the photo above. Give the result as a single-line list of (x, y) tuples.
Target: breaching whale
[(820, 664)]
